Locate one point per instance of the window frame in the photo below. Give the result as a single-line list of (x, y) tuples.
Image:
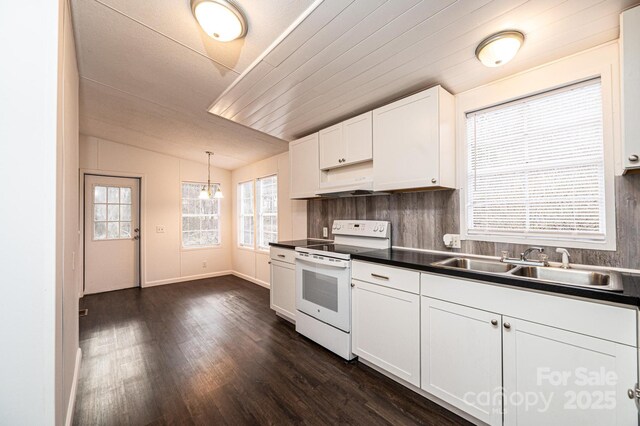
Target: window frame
[(598, 63), (240, 216), (220, 219), (258, 214)]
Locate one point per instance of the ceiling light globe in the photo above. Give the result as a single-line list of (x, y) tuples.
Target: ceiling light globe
[(219, 19), (499, 48)]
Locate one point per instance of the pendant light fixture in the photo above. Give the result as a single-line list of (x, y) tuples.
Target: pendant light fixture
[(205, 192), (499, 48), (220, 19)]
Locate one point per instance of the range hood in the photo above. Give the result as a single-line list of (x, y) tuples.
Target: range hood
[(359, 189)]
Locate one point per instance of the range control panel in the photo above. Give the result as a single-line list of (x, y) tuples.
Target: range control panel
[(362, 228)]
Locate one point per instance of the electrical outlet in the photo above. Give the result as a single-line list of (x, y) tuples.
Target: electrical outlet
[(325, 232), (204, 264), (451, 240), (159, 229)]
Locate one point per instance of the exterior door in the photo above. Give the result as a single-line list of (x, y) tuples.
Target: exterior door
[(111, 233)]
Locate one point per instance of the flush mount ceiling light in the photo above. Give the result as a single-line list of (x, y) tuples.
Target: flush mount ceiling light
[(205, 192), (499, 48), (220, 19)]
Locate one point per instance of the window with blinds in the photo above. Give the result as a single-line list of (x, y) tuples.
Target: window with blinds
[(535, 167)]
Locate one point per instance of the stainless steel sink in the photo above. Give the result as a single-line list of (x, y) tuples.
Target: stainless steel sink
[(601, 280), (476, 265)]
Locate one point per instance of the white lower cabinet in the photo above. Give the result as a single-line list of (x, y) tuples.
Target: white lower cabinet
[(462, 358), (283, 283), (553, 376), (386, 329)]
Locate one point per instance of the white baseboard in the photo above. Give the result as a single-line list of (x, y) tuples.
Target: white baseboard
[(187, 278), (253, 280), (74, 389)]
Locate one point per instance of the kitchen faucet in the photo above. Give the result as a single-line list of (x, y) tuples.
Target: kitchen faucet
[(524, 260)]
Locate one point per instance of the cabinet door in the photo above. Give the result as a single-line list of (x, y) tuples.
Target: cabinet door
[(332, 147), (304, 168), (386, 329), (556, 376), (630, 50), (462, 358), (358, 138), (406, 144), (283, 289)]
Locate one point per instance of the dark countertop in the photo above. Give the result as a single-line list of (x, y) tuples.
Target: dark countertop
[(423, 261), (299, 243)]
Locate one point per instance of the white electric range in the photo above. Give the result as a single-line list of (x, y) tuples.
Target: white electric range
[(323, 282)]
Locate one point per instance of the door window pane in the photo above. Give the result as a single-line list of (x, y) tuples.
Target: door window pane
[(112, 213)]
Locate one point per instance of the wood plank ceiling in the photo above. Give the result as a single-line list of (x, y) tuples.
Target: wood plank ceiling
[(348, 57), (148, 74)]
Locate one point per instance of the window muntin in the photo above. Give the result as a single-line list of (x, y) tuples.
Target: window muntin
[(200, 218), (245, 214), (111, 212), (536, 168), (267, 205)]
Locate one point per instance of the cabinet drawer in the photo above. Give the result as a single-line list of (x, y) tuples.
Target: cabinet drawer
[(283, 255), (397, 278)]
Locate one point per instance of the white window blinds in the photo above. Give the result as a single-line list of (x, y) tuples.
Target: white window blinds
[(535, 166)]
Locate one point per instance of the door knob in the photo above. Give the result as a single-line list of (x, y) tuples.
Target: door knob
[(136, 237), (633, 158), (507, 325), (136, 230)]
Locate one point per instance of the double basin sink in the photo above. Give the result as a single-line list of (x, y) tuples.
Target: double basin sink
[(579, 277)]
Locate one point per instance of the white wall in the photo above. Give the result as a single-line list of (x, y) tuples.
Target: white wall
[(292, 217), (68, 223), (30, 295), (164, 260)]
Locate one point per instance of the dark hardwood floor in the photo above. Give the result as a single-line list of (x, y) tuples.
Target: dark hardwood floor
[(211, 352)]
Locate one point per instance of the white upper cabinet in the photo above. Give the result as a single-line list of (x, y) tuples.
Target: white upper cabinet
[(345, 143), (630, 50), (414, 142), (305, 171)]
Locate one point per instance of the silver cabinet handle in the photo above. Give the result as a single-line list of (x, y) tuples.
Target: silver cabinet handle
[(507, 325), (633, 158), (281, 255), (494, 322), (381, 277), (344, 160), (353, 285), (434, 180)]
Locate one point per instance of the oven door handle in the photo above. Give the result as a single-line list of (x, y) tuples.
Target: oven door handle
[(340, 264)]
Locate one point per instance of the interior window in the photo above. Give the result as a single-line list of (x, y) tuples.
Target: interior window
[(267, 191)]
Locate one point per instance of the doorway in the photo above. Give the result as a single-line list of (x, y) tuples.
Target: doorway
[(111, 233)]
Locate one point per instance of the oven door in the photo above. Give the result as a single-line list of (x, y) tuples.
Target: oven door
[(323, 290)]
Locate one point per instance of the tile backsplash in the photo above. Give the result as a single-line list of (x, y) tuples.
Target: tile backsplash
[(420, 219)]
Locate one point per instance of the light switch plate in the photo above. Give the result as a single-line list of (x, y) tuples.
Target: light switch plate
[(159, 229), (325, 232)]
